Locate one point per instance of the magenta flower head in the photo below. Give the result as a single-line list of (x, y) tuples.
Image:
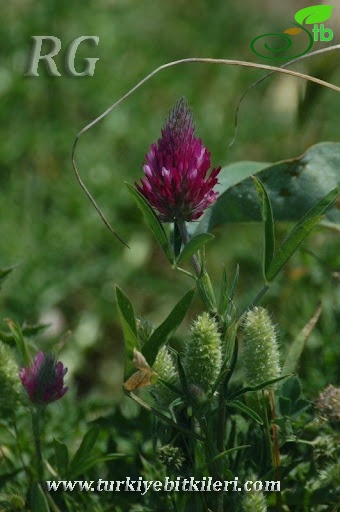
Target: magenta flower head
[(176, 180), (44, 380)]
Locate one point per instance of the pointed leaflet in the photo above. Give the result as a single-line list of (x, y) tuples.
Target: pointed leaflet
[(38, 500), (161, 334), (296, 348), (128, 321), (177, 240), (300, 232), (193, 246), (263, 385), (224, 299), (234, 283), (293, 186), (61, 457), (4, 272), (19, 340), (240, 406), (152, 221), (267, 217), (84, 452)]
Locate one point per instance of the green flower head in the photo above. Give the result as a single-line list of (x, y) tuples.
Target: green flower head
[(260, 349), (202, 354)]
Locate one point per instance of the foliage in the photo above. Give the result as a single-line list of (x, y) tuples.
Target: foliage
[(261, 241), (208, 419)]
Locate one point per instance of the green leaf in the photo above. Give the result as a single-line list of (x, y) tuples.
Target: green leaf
[(221, 456), (237, 171), (240, 406), (285, 406), (38, 499), (300, 232), (313, 14), (94, 461), (289, 396), (16, 331), (234, 283), (152, 221), (128, 322), (263, 385), (291, 388), (170, 387), (296, 348), (224, 299), (181, 372), (84, 452), (193, 246), (177, 240), (61, 457), (4, 272), (206, 291), (293, 187), (267, 217), (161, 334), (300, 405), (26, 331), (9, 476)]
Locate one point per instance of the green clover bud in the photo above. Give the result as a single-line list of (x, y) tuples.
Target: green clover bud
[(165, 368), (171, 457), (253, 500), (260, 348), (144, 330), (202, 353)]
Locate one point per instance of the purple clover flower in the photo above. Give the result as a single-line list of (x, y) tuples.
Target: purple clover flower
[(176, 183), (44, 380)]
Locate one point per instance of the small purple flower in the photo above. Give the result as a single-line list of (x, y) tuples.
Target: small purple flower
[(44, 380), (176, 182)]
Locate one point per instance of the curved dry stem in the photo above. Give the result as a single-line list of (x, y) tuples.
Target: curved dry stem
[(263, 78), (206, 60)]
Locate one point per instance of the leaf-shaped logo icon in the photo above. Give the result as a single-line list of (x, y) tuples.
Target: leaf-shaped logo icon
[(314, 14), (292, 31)]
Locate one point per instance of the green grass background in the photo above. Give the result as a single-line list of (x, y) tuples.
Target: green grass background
[(67, 262)]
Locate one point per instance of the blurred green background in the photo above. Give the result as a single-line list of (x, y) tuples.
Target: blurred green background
[(67, 261)]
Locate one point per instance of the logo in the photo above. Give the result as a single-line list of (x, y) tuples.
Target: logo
[(70, 54), (313, 16)]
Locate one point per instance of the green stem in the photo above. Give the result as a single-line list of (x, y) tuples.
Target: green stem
[(221, 439), (52, 504), (267, 427), (212, 459), (185, 272), (185, 239), (19, 446), (276, 448), (36, 420), (166, 419), (259, 296)]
